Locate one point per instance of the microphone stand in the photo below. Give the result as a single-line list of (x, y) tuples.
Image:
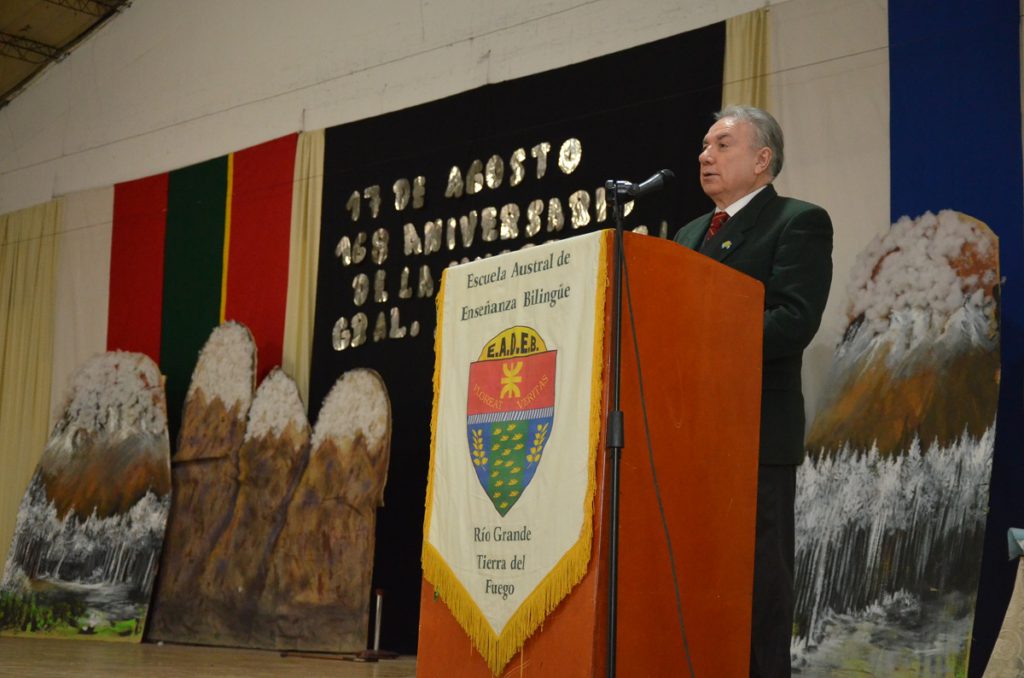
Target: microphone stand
[(615, 434)]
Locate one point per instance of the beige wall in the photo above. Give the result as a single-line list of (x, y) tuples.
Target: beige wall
[(830, 91), (173, 82)]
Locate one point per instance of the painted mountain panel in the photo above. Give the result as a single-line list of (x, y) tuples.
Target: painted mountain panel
[(891, 501), (273, 455), (272, 532), (91, 524), (205, 473), (317, 595)]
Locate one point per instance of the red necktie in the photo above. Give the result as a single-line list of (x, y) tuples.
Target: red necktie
[(717, 221)]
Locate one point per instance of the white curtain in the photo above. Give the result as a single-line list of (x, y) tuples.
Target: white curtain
[(83, 285), (307, 199)]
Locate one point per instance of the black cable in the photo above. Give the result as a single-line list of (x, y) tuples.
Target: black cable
[(654, 471)]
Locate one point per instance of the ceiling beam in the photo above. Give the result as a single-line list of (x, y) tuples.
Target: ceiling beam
[(31, 51), (96, 8), (41, 54)]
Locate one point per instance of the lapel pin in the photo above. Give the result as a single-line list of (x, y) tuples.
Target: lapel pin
[(727, 244)]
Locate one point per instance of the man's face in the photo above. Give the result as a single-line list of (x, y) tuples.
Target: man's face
[(731, 165)]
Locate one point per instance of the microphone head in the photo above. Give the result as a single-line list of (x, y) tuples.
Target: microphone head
[(653, 183)]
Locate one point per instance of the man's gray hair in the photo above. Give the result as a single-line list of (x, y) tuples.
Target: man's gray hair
[(767, 131)]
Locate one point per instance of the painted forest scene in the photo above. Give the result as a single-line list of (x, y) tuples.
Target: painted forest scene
[(891, 501), (90, 526)]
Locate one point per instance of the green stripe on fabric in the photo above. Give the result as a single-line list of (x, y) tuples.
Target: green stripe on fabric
[(193, 261)]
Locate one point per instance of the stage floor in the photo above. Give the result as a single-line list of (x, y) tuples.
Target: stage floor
[(45, 657)]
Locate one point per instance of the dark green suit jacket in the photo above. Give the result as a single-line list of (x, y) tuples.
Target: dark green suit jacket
[(787, 245)]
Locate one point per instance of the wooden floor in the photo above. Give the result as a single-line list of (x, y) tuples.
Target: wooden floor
[(44, 657)]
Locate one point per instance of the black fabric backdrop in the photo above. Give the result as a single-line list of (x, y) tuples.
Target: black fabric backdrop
[(635, 112)]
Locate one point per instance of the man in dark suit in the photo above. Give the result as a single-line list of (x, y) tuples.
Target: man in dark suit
[(787, 245)]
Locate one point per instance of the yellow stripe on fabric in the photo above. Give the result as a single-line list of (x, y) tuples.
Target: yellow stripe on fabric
[(227, 235), (497, 650)]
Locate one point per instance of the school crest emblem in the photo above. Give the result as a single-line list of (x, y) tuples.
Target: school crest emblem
[(510, 408)]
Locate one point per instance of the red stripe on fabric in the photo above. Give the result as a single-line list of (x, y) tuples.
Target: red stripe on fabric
[(261, 214), (137, 266)]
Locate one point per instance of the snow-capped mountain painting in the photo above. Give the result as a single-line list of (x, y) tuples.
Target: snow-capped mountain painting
[(891, 501), (91, 524), (271, 537)]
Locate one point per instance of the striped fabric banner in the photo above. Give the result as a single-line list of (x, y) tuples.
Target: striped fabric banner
[(197, 246), (193, 255), (137, 266), (259, 236)]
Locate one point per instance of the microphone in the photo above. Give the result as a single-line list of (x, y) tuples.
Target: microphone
[(650, 185)]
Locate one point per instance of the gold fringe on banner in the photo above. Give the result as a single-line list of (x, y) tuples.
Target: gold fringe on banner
[(496, 649)]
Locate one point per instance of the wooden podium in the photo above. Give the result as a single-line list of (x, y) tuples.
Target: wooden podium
[(698, 325)]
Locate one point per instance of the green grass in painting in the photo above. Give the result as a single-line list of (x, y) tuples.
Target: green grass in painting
[(28, 615), (122, 629), (907, 665)]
